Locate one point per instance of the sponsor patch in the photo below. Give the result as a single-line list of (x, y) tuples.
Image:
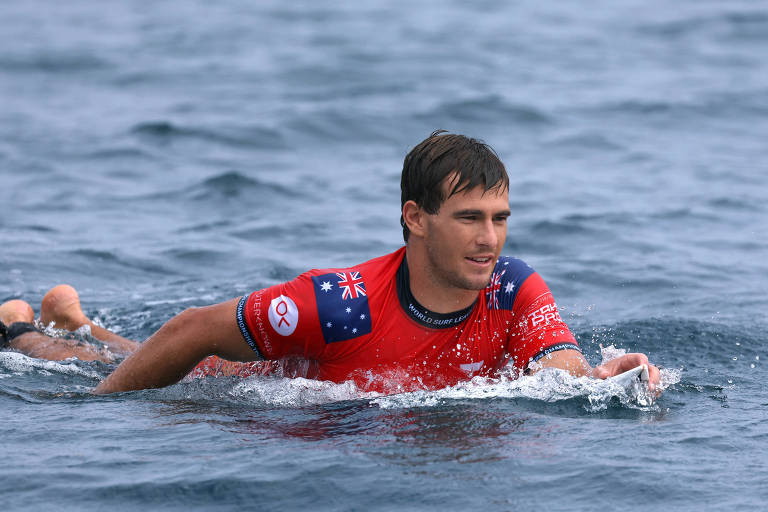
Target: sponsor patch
[(283, 315)]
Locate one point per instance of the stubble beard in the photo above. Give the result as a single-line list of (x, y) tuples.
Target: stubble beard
[(446, 277)]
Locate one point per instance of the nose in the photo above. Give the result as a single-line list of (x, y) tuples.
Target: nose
[(487, 236)]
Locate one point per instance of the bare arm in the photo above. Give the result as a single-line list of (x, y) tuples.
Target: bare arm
[(573, 362), (185, 340)]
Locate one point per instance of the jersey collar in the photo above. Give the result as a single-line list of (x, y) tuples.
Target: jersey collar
[(419, 313)]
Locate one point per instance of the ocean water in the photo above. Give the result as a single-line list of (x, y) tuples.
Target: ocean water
[(177, 154)]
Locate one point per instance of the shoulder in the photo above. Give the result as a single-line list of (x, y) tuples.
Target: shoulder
[(342, 295), (513, 268), (507, 279)]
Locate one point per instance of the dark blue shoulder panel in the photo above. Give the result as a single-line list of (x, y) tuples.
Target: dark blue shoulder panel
[(507, 278)]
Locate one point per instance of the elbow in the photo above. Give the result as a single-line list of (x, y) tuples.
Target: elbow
[(181, 323)]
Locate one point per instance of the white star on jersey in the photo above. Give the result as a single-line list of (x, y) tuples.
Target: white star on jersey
[(510, 286), (326, 286)]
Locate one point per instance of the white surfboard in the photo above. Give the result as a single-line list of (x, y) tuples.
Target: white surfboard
[(630, 377)]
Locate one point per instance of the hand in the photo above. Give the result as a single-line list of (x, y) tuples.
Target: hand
[(627, 362)]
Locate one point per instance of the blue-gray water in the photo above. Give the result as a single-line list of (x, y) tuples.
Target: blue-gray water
[(165, 155)]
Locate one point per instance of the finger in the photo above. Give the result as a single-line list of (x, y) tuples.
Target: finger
[(635, 359), (601, 372), (654, 377), (616, 366), (625, 363)]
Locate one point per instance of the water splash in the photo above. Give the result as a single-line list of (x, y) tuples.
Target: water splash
[(297, 392), (15, 364), (548, 385)]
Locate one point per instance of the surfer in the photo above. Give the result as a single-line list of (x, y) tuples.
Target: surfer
[(444, 308)]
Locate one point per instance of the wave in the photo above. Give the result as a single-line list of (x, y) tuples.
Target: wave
[(234, 183), (118, 153), (743, 204), (571, 225), (225, 185), (341, 124), (586, 141), (487, 110), (36, 228), (54, 62), (251, 137), (104, 258), (195, 255), (747, 25), (735, 105)]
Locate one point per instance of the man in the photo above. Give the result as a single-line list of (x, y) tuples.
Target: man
[(442, 309)]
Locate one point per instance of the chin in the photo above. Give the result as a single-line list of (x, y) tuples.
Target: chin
[(477, 282)]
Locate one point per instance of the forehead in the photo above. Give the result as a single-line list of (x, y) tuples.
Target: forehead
[(476, 198)]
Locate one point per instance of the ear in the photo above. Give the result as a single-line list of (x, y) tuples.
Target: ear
[(414, 218)]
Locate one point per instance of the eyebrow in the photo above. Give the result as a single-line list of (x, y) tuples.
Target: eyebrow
[(480, 212)]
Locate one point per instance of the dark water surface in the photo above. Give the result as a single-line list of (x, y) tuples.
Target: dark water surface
[(162, 156)]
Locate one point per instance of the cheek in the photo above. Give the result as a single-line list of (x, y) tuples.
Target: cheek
[(502, 236)]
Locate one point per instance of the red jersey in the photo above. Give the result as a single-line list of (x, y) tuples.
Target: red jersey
[(363, 324)]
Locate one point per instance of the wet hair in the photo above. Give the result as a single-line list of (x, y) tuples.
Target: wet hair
[(441, 155)]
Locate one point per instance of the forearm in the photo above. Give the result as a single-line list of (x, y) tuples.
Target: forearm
[(165, 358), (172, 352), (571, 361)]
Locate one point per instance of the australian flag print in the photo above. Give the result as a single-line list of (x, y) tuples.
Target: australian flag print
[(342, 305), (506, 279)]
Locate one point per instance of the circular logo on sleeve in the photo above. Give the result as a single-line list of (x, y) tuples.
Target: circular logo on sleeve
[(283, 315)]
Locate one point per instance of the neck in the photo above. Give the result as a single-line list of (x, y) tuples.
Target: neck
[(432, 292)]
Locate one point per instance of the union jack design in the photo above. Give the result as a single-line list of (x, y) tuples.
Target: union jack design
[(351, 285), (346, 315), (492, 291)]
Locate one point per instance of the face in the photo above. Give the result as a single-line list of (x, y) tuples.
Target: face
[(464, 238)]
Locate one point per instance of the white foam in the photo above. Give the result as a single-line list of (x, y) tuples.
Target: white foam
[(15, 363), (297, 392), (548, 385)]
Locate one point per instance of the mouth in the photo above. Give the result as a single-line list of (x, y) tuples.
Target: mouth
[(480, 261)]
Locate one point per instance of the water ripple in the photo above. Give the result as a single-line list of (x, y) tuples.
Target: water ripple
[(251, 137)]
